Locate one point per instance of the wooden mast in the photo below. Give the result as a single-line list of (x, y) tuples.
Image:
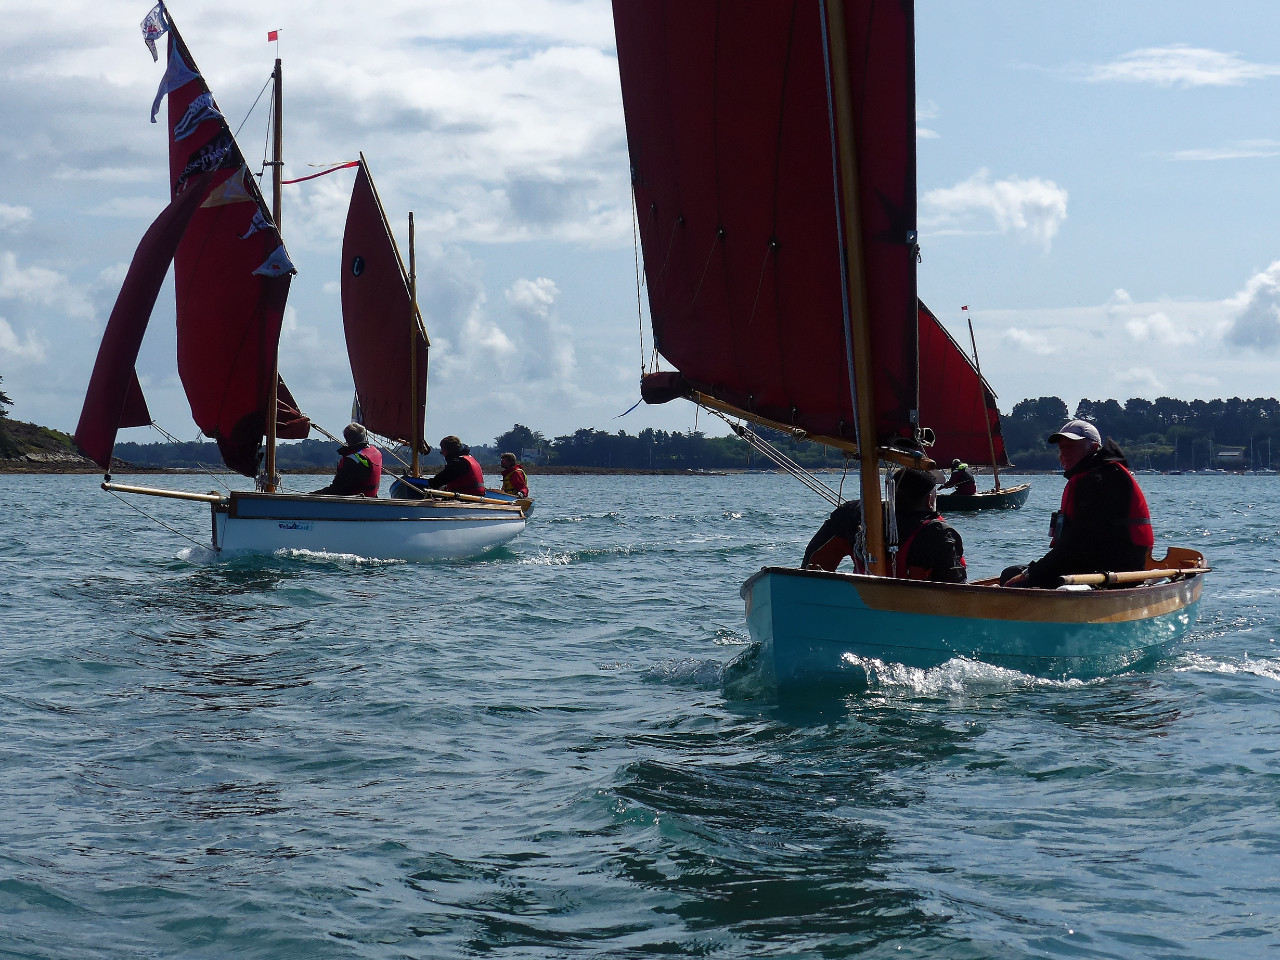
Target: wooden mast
[(863, 386), (277, 167), (982, 402), (414, 427)]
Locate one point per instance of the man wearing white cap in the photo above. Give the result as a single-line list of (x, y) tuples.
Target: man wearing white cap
[(1103, 524)]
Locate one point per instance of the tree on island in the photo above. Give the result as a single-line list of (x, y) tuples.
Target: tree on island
[(519, 439)]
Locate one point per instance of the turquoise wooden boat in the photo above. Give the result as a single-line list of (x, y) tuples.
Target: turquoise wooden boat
[(817, 628), (773, 168)]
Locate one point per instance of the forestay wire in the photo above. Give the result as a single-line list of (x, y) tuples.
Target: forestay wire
[(208, 472), (157, 520)]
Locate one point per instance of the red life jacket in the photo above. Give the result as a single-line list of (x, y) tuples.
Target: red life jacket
[(472, 483), (859, 566), (514, 482), (1138, 523), (370, 457), (900, 558)]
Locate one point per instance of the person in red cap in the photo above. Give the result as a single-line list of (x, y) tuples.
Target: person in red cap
[(929, 548), (1103, 524)]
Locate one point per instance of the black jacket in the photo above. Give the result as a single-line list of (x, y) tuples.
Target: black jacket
[(1097, 539)]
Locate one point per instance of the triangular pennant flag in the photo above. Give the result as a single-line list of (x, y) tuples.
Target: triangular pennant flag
[(231, 190), (176, 74), (218, 154), (202, 108), (277, 265), (259, 222), (153, 28)]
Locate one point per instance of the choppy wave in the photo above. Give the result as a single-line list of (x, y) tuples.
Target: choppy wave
[(567, 748)]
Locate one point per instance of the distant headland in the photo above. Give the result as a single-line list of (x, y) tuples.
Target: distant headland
[(1162, 434)]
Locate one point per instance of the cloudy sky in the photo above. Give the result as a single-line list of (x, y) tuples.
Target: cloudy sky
[(1100, 182)]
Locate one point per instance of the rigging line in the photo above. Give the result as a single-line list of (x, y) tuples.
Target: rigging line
[(707, 266), (845, 306), (266, 150), (671, 242), (208, 471), (253, 108), (156, 520), (384, 444), (788, 465), (635, 245), (764, 265)]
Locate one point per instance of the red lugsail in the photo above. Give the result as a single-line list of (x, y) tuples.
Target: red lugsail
[(381, 321), (733, 168), (230, 278), (114, 398), (957, 404)]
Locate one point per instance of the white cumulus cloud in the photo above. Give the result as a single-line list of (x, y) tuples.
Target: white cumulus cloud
[(1143, 379), (1256, 324), (548, 349), (1159, 328), (30, 347), (44, 288), (1030, 208), (13, 218), (1027, 341)]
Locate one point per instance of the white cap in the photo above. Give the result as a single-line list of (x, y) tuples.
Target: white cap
[(1076, 430)]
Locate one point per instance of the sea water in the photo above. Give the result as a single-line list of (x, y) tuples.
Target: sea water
[(534, 754)]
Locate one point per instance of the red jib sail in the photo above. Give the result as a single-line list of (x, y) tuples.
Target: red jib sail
[(734, 163), (957, 404), (381, 321), (231, 276)]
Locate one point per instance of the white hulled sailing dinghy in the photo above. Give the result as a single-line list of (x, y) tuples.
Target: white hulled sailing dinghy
[(232, 275)]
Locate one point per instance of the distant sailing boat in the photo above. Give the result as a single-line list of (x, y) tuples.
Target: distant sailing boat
[(232, 275), (954, 399), (772, 149)]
